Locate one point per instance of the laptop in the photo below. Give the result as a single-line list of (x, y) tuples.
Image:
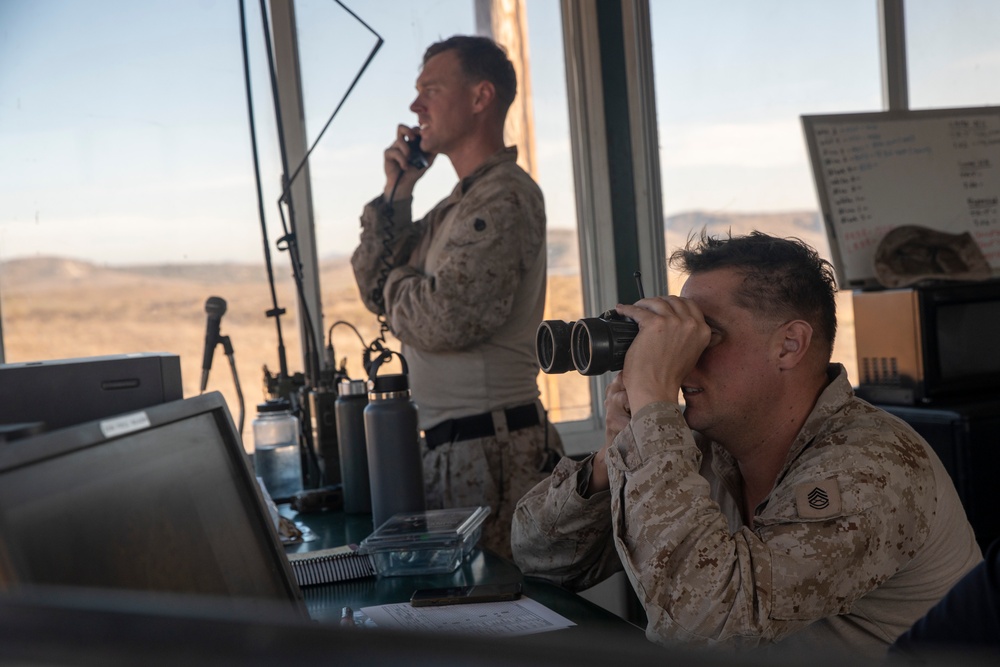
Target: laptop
[(157, 500)]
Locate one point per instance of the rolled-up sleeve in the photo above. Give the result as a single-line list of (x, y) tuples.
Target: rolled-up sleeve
[(561, 536)]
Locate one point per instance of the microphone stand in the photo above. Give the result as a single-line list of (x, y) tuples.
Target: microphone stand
[(228, 348)]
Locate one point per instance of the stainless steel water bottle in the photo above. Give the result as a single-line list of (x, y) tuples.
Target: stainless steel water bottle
[(394, 466), (350, 411)]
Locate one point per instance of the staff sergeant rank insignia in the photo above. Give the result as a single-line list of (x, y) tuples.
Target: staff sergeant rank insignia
[(818, 500)]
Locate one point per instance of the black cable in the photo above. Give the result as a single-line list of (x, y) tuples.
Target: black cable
[(288, 240), (288, 243), (289, 237), (312, 355), (329, 335), (342, 372), (260, 195), (378, 346), (343, 99), (378, 296)]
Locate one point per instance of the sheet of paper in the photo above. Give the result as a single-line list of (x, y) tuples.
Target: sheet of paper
[(484, 619)]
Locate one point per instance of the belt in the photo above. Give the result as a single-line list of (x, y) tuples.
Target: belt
[(480, 426)]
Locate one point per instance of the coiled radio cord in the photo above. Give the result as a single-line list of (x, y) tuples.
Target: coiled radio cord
[(378, 293)]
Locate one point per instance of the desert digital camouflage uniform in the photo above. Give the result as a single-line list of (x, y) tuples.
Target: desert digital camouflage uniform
[(495, 471), (861, 534), (465, 297)]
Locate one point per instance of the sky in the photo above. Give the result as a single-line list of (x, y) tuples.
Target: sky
[(124, 133)]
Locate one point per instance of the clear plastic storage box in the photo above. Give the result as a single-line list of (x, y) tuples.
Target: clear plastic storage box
[(430, 542)]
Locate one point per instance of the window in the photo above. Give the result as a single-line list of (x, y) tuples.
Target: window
[(129, 190), (732, 80), (952, 53), (346, 167)]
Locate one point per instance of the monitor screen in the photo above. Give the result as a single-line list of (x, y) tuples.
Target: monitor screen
[(967, 333), (157, 500)]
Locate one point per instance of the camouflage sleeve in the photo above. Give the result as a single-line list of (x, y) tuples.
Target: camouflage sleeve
[(561, 536), (699, 582), (469, 292), (386, 241)]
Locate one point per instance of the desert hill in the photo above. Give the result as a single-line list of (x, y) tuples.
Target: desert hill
[(38, 273), (56, 308), (806, 225)]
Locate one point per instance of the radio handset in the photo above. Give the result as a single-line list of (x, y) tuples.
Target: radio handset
[(417, 157)]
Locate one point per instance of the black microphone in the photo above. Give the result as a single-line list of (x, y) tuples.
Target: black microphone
[(215, 306)]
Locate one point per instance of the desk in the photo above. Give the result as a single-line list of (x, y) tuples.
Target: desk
[(335, 529)]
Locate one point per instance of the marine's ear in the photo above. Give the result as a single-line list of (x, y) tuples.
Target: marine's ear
[(484, 94), (795, 340)]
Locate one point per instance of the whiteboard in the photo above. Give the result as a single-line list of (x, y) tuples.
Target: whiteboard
[(876, 171)]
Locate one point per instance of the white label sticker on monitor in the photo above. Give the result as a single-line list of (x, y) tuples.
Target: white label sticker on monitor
[(124, 424)]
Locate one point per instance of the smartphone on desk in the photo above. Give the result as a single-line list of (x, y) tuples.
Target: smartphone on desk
[(436, 597)]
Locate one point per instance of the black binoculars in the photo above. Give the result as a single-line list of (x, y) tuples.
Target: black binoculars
[(592, 345)]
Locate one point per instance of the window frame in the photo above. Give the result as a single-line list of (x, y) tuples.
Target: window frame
[(600, 242)]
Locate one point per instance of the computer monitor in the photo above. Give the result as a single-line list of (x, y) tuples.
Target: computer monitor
[(158, 500), (63, 392)]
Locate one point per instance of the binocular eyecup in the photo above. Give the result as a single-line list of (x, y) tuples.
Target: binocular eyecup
[(591, 345)]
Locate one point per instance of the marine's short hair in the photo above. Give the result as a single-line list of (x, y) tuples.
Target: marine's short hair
[(782, 277), (482, 59)]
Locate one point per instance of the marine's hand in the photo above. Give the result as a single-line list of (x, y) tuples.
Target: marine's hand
[(672, 336), (396, 162), (617, 409)]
